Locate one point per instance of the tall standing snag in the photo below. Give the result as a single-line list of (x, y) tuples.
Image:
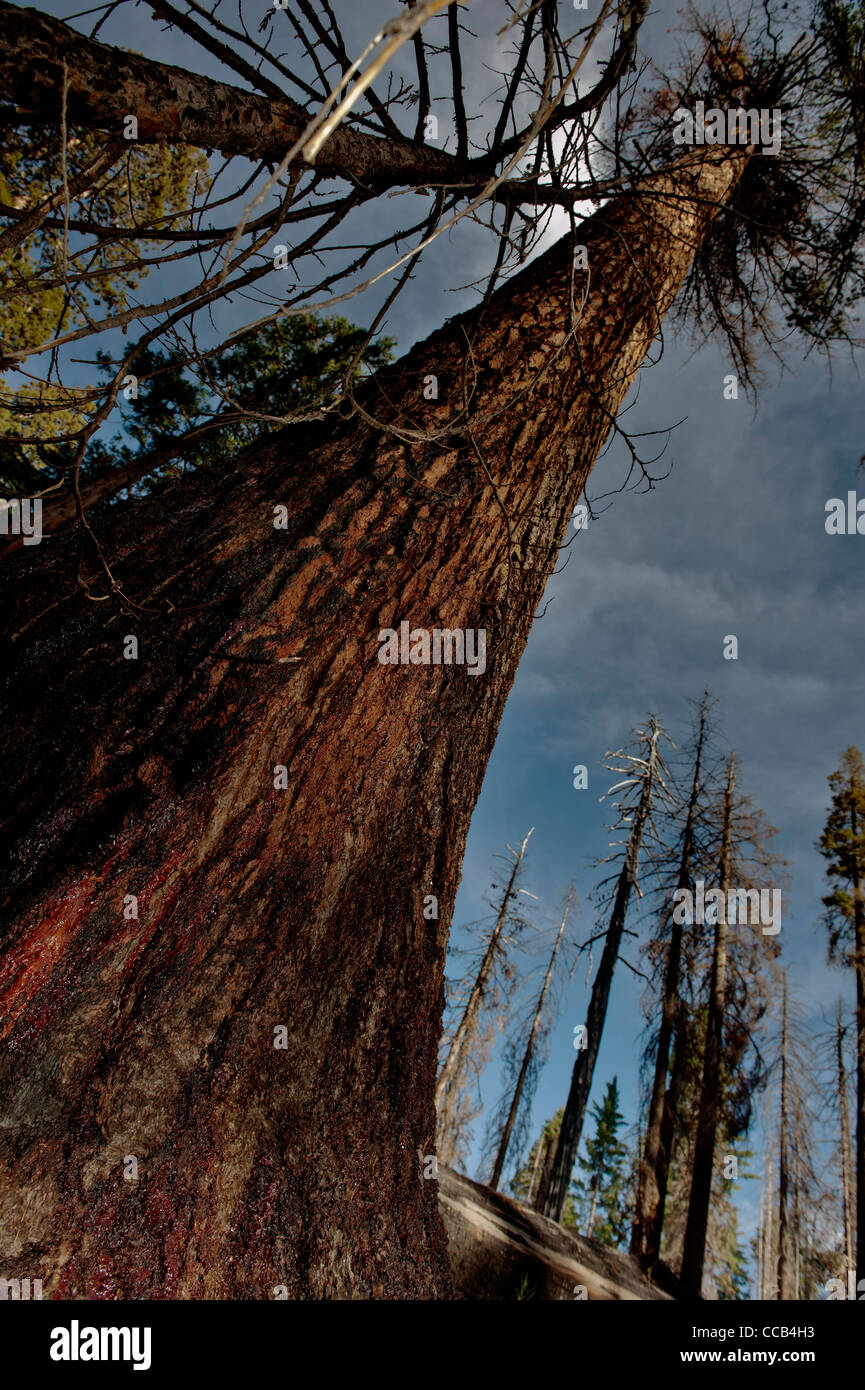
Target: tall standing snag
[(469, 1039), (529, 1053), (694, 1250), (647, 774), (846, 1153), (785, 1283), (843, 846), (654, 1163)]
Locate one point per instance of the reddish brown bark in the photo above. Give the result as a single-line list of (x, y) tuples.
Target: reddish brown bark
[(154, 1037), (175, 106)]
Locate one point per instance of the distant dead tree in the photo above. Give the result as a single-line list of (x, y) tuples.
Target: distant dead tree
[(487, 997), (636, 798), (524, 1058)]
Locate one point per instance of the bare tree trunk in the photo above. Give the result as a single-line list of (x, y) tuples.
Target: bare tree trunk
[(455, 1058), (783, 1177), (227, 971), (846, 1153), (694, 1250), (554, 1186), (770, 1272), (540, 1156), (654, 1164), (770, 1258), (772, 1287), (670, 1119), (859, 928), (527, 1055), (761, 1242), (797, 1223)]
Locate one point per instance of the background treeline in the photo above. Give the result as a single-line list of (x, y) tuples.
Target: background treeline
[(735, 1080)]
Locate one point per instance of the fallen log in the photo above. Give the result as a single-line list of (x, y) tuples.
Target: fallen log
[(501, 1249)]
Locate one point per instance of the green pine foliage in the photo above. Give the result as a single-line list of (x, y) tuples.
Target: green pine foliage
[(46, 290), (729, 1268), (151, 187), (602, 1196), (293, 367)]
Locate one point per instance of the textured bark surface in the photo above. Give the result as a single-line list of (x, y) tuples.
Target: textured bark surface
[(154, 777), (174, 106)]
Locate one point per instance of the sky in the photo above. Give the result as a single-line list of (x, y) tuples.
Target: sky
[(733, 541)]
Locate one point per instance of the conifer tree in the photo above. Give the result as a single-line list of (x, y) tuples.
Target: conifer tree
[(845, 1148), (723, 1260), (738, 985), (794, 1247), (714, 992), (729, 1274), (710, 1092), (601, 1194)]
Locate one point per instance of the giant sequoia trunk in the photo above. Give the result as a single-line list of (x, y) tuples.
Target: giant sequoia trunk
[(155, 1037)]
